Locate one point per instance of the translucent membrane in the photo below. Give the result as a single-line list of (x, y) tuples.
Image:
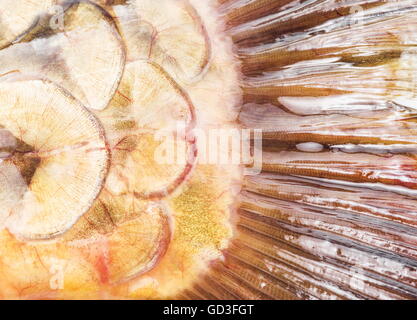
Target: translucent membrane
[(333, 214)]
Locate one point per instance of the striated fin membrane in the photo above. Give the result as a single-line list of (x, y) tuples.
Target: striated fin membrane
[(333, 214)]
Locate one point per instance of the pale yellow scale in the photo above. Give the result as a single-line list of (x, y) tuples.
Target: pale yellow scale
[(154, 228)]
